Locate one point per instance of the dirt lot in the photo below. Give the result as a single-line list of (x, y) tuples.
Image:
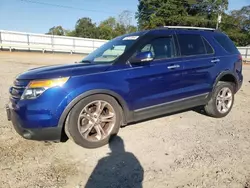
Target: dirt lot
[(183, 150)]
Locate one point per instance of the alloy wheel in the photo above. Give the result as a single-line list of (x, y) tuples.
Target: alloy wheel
[(96, 121), (224, 100)]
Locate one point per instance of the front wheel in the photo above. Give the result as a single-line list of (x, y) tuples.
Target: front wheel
[(93, 121), (222, 100)]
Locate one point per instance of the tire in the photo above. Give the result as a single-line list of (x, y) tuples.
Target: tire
[(72, 123), (212, 108)]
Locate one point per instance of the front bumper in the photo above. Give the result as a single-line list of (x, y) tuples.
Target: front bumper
[(39, 134)]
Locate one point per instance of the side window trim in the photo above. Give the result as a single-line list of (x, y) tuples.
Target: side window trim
[(221, 45), (177, 45), (204, 39)]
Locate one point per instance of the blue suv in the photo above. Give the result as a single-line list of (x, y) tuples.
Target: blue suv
[(131, 78)]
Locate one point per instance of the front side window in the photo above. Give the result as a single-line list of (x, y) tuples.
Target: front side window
[(191, 44), (161, 48)]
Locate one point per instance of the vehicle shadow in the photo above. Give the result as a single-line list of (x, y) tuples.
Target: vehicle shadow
[(200, 110), (119, 169)]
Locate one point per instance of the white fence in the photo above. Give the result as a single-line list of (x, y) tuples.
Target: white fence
[(245, 52), (39, 42), (30, 41)]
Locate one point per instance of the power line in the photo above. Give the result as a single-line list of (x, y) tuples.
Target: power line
[(64, 6)]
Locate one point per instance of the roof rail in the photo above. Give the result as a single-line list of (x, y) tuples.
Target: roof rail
[(189, 27)]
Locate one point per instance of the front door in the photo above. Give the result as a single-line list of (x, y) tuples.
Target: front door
[(159, 81)]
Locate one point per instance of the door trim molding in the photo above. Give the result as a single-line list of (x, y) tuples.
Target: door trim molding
[(170, 107), (171, 102)]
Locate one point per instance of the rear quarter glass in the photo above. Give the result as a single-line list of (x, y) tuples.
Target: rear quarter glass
[(226, 43)]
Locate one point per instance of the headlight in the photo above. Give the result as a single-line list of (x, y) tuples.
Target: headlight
[(37, 87)]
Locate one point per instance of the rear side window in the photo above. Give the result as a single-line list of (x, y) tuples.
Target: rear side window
[(191, 44), (226, 43)]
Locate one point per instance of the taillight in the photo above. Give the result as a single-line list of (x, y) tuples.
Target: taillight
[(240, 63), (240, 57)]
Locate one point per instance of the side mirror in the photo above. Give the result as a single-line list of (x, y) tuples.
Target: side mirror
[(142, 57)]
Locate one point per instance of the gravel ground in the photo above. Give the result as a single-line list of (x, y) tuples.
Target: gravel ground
[(186, 149)]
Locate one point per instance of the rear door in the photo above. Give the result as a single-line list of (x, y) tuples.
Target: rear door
[(199, 61)]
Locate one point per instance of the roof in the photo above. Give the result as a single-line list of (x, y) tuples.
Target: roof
[(140, 33)]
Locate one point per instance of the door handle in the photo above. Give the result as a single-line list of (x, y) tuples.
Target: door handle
[(173, 66), (215, 60)]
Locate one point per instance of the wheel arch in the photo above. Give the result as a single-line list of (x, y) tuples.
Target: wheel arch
[(226, 76), (223, 76), (117, 97)]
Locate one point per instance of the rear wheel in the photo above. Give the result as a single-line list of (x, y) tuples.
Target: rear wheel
[(222, 100), (93, 121)]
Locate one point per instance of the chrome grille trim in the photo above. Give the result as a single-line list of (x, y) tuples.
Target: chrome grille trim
[(18, 88)]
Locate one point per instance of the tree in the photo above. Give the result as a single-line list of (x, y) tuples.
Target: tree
[(237, 25), (125, 20), (106, 28), (213, 6), (154, 13), (85, 28), (112, 27), (131, 29), (70, 33), (203, 13), (57, 30), (243, 17), (110, 22)]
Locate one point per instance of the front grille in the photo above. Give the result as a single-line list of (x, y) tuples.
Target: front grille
[(18, 88)]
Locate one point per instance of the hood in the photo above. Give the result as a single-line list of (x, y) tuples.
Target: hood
[(56, 71)]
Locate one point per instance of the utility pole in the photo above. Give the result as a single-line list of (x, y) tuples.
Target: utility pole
[(218, 20), (220, 12)]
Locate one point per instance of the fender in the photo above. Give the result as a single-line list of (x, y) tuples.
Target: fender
[(223, 74), (126, 113), (218, 78)]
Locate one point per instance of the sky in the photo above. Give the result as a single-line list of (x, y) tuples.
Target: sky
[(25, 16)]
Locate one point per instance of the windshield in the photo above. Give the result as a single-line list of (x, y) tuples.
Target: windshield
[(111, 50)]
